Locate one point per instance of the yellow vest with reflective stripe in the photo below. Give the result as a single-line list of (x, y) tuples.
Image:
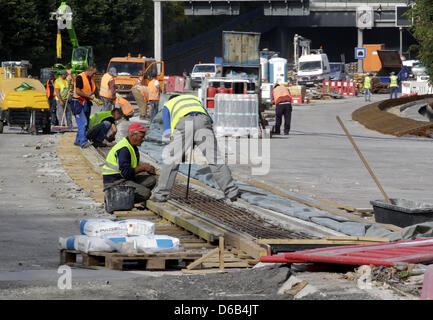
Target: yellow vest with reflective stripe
[(105, 89), (181, 106), (111, 165), (367, 83), (64, 88), (393, 82), (98, 117)]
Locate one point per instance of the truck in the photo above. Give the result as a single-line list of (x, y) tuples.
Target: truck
[(204, 70), (241, 76), (391, 62), (313, 69), (133, 70)]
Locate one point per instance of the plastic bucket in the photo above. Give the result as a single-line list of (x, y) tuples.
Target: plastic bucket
[(119, 198)]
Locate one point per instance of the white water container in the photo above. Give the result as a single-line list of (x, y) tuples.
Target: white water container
[(264, 65), (277, 70)]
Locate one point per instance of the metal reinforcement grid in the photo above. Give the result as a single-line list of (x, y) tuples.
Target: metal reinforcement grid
[(234, 217), (375, 117)]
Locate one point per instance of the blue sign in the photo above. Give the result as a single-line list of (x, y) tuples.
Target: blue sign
[(360, 53)]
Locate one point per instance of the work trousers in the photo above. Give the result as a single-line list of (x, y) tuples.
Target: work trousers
[(367, 94), (195, 129), (53, 111), (107, 104), (154, 105), (283, 109), (143, 184), (393, 92), (68, 114), (99, 132), (141, 102), (81, 120)]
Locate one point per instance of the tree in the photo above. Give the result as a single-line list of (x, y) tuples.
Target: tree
[(422, 28)]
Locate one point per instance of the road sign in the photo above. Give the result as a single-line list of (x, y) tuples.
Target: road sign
[(360, 53)]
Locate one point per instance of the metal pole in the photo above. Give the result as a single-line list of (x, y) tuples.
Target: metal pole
[(401, 41), (363, 160), (360, 43), (189, 172), (158, 30)]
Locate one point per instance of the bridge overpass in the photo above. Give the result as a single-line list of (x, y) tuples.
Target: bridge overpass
[(341, 25)]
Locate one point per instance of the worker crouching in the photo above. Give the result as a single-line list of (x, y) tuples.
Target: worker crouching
[(100, 124), (122, 165)]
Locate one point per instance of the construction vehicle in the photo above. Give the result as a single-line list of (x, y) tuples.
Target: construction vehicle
[(24, 103), (133, 70), (14, 69), (391, 62), (82, 56), (301, 47)]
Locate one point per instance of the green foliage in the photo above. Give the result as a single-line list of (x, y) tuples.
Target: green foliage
[(422, 14)]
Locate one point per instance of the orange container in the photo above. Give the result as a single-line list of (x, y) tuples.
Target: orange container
[(372, 63)]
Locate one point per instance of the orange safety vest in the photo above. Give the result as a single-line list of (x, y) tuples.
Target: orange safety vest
[(153, 92), (87, 86), (280, 92), (50, 89), (105, 89), (127, 108)]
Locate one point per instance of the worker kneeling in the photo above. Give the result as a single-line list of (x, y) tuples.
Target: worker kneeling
[(188, 123), (100, 124), (122, 165)]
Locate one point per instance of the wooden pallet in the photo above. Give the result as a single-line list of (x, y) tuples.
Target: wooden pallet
[(118, 261)]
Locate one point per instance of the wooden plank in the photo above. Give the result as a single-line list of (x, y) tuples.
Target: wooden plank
[(313, 241), (199, 261), (201, 271), (67, 257), (221, 253), (184, 220), (227, 265), (155, 264), (372, 239)]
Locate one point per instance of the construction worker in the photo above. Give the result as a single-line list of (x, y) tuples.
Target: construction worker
[(61, 87), (153, 92), (283, 101), (100, 124), (186, 122), (140, 94), (122, 165), (125, 106), (393, 85), (108, 90), (367, 87), (52, 99), (84, 90)]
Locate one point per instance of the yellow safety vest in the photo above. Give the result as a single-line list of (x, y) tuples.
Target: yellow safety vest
[(105, 89), (111, 165), (367, 83), (393, 82), (64, 88), (98, 117), (181, 106)]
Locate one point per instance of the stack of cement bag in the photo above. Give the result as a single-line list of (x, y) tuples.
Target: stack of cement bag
[(126, 236)]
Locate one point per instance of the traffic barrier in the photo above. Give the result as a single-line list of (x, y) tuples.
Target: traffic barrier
[(169, 83), (179, 83), (345, 88), (416, 87), (299, 100)]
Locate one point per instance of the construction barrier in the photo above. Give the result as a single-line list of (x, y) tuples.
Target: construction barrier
[(409, 88), (345, 88), (174, 83), (299, 100)]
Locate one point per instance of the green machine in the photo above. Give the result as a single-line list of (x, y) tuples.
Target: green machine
[(82, 56)]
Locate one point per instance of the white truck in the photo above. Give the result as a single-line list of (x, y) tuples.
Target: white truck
[(313, 69), (204, 70)]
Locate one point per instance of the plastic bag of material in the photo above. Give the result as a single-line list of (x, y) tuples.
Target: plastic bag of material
[(135, 227), (144, 244), (85, 243), (102, 227)]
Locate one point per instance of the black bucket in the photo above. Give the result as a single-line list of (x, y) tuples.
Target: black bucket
[(119, 198), (401, 212)]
